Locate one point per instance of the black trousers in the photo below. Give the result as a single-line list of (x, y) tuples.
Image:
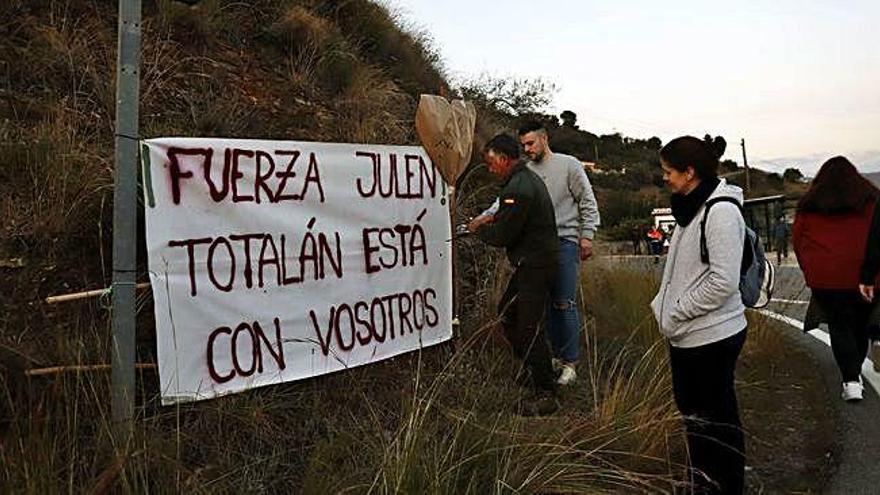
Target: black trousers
[(847, 317), (637, 246), (522, 311), (702, 382), (781, 245)]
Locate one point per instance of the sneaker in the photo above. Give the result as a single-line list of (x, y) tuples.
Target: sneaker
[(852, 391), (875, 354), (542, 403), (567, 374)]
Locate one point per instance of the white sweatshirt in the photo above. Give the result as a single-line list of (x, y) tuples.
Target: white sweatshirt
[(700, 303)]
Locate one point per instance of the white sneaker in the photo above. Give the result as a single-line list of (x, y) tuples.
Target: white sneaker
[(567, 375), (852, 391), (875, 354)]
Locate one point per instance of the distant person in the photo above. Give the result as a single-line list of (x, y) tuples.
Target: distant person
[(655, 242), (635, 236), (577, 217), (781, 234), (700, 311), (525, 225), (830, 238)]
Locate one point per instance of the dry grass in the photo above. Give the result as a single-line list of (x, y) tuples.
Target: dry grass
[(366, 109), (457, 434), (299, 29), (440, 421)]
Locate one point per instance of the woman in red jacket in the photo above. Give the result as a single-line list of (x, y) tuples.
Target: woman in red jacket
[(830, 234)]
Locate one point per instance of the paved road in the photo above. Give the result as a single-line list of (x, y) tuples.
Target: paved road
[(858, 427)]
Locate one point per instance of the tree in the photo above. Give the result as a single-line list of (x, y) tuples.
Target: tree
[(655, 143), (569, 119), (510, 96), (727, 166), (792, 175), (572, 141), (549, 121)]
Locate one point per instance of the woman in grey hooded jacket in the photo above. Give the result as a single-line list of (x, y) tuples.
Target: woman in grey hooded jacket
[(700, 311)]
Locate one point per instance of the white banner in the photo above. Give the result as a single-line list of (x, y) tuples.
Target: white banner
[(273, 261)]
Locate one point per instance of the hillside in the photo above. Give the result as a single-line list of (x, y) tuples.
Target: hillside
[(327, 71), (307, 70)]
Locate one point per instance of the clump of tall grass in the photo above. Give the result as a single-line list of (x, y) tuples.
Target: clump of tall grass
[(299, 29), (384, 39), (370, 109), (197, 26), (458, 433)]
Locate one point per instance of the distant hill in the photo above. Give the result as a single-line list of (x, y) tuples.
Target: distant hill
[(809, 164), (873, 177)]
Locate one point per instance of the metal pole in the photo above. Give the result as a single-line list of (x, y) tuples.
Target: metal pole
[(125, 217), (746, 165)]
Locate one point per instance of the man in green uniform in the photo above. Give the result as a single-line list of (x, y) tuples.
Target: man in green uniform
[(525, 224)]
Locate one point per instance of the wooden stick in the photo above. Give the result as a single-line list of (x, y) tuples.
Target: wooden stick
[(79, 368), (87, 294), (456, 286)]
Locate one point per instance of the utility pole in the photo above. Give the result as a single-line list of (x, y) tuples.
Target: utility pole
[(125, 218), (746, 165)]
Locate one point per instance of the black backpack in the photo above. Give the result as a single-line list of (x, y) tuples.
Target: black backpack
[(757, 276)]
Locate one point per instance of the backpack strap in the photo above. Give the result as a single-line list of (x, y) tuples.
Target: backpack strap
[(704, 250)]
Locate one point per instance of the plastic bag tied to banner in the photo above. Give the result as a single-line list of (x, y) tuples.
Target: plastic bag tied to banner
[(446, 130)]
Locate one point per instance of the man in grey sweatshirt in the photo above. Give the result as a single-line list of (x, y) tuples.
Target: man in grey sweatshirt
[(577, 217)]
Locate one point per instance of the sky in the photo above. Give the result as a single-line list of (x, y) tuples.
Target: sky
[(798, 80)]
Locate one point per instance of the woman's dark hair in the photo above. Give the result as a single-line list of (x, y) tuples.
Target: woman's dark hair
[(688, 151), (838, 188), (504, 144)]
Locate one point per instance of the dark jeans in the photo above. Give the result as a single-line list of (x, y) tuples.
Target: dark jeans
[(564, 323), (656, 247), (781, 245), (522, 311), (702, 382), (847, 316)]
